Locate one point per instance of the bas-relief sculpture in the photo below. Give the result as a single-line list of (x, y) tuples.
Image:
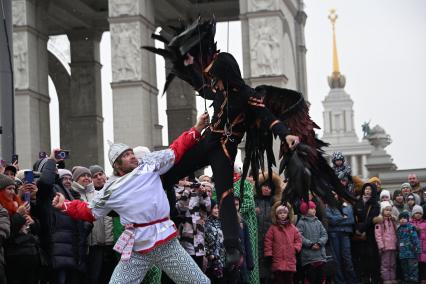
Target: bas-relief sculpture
[(265, 47), (126, 57), (20, 60), (123, 7), (18, 13), (259, 5)]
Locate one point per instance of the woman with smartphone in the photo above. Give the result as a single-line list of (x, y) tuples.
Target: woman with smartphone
[(21, 248)]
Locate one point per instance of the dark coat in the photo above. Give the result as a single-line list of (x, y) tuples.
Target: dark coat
[(62, 238), (4, 231), (19, 243)]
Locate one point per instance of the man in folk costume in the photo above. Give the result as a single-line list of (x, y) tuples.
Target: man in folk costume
[(140, 201)]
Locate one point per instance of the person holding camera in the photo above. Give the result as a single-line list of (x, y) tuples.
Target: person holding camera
[(193, 204), (21, 248), (62, 238)]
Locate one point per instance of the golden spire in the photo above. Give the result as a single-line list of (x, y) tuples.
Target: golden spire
[(333, 17)]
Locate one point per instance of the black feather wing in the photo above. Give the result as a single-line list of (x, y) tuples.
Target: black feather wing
[(305, 168)]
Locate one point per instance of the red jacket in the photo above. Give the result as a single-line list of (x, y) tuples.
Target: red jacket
[(282, 243)]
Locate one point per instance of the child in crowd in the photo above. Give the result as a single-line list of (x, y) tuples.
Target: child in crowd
[(409, 248), (215, 249), (411, 201), (398, 202), (419, 222), (385, 232), (282, 242), (314, 238), (385, 196)]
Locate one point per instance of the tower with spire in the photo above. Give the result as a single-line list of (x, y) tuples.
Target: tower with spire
[(339, 126)]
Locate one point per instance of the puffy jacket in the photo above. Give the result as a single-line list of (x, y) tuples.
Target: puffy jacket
[(409, 246), (385, 233), (21, 243), (365, 212), (62, 238), (102, 232), (282, 243), (421, 228), (338, 222), (4, 231), (312, 232)]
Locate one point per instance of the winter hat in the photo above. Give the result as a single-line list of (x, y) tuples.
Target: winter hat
[(5, 181), (281, 208), (337, 156), (405, 184), (385, 193), (384, 204), (417, 209), (140, 151), (94, 169), (404, 214), (374, 179), (64, 172), (39, 165), (411, 196), (78, 171), (305, 206), (115, 150)]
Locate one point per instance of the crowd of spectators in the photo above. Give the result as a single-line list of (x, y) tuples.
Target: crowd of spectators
[(379, 238)]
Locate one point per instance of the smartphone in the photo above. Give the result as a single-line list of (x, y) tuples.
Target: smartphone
[(26, 196), (15, 159), (42, 155), (29, 176), (62, 155), (3, 163)]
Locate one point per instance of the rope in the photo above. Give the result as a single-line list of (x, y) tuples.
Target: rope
[(201, 55)]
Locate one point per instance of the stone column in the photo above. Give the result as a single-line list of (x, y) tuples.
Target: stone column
[(181, 108), (364, 168), (354, 165), (268, 30), (302, 83), (31, 79), (85, 115), (134, 79)]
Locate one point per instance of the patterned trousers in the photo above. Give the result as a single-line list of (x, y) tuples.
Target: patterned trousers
[(410, 269), (169, 257)]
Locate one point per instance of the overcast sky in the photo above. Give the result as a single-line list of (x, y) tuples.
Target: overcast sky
[(382, 53)]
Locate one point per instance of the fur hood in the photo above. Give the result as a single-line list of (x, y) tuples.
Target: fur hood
[(291, 215), (277, 184)]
